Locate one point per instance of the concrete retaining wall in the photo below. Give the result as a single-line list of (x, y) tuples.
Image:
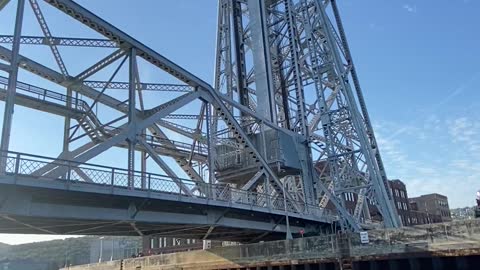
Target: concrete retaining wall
[(424, 240)]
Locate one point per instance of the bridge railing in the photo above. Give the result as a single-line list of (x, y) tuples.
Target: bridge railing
[(39, 167), (46, 95)]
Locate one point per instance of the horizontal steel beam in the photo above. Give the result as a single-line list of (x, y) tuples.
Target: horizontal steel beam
[(42, 105), (141, 86), (25, 181), (106, 29), (52, 211), (4, 67), (3, 3), (61, 41)]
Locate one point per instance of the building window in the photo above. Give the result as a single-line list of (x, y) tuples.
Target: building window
[(408, 220), (402, 194), (238, 157), (349, 197), (399, 205), (152, 243), (404, 206), (396, 193)]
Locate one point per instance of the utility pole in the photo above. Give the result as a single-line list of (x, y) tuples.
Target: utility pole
[(101, 250), (288, 235)]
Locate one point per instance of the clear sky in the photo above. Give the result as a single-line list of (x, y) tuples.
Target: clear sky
[(418, 63)]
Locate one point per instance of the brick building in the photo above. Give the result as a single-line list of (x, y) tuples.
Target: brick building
[(434, 205), (409, 212), (400, 198)]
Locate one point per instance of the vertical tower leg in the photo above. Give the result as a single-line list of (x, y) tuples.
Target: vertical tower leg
[(131, 118), (12, 85)]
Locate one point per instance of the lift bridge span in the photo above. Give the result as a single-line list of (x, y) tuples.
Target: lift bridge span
[(281, 138)]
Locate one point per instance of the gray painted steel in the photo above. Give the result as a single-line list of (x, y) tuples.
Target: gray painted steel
[(278, 138)]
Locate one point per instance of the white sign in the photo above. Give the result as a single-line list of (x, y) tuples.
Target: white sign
[(364, 237)]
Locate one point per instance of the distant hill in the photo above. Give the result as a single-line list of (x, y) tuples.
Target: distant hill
[(4, 246), (57, 253), (463, 213)]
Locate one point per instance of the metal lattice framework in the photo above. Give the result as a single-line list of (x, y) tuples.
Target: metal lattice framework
[(289, 62), (284, 128)]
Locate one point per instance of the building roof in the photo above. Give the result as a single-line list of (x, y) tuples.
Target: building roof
[(426, 196)]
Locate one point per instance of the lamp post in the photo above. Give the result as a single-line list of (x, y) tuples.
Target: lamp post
[(289, 233), (66, 254), (113, 248), (101, 250)]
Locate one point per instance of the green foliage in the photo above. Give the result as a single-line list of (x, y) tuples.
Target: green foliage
[(71, 251)]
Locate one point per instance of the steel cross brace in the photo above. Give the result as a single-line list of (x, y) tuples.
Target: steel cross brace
[(107, 100), (3, 3), (164, 166), (96, 23), (128, 131)]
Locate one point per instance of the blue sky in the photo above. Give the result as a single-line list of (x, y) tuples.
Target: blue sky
[(417, 62)]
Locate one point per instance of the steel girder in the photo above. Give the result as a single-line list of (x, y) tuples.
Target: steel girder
[(61, 41), (191, 139), (104, 28), (3, 3), (301, 92), (312, 70)]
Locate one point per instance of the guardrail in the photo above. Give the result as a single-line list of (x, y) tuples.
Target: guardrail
[(453, 236), (175, 145), (27, 165), (47, 95)]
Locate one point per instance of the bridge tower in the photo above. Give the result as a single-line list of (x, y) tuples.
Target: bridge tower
[(287, 62)]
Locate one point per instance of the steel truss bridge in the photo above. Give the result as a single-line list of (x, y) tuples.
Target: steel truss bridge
[(280, 141)]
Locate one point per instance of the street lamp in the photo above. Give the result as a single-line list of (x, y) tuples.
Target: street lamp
[(101, 250), (66, 253), (289, 233), (113, 248)]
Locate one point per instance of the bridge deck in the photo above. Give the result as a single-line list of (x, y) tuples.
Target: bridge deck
[(92, 199)]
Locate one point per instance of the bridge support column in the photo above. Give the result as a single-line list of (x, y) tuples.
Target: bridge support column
[(143, 165), (462, 263), (131, 118), (414, 264), (66, 128), (437, 263), (12, 83), (393, 265), (374, 265)]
